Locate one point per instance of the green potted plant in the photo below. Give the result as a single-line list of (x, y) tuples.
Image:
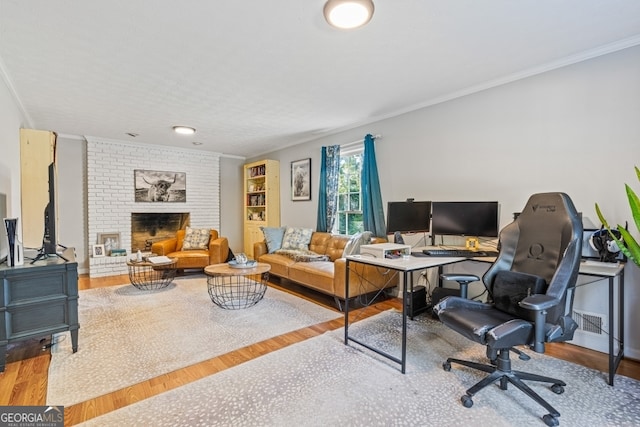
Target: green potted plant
[(627, 244)]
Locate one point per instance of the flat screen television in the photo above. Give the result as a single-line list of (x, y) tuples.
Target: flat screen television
[(408, 216), (471, 219), (49, 240)]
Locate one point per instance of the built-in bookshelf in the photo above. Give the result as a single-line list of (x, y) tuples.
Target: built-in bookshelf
[(261, 200)]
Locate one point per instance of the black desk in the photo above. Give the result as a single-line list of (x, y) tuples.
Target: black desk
[(408, 266)]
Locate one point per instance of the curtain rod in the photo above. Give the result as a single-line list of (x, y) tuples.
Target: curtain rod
[(349, 144)]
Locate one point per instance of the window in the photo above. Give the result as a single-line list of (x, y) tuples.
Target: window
[(349, 217)]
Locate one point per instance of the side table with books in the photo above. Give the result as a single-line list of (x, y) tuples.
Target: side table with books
[(152, 272)]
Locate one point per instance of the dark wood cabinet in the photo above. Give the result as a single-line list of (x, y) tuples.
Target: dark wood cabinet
[(37, 300)]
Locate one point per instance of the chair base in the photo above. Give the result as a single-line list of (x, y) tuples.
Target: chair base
[(502, 372)]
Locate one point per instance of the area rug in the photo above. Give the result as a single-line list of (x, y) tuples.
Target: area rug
[(129, 335), (322, 382)]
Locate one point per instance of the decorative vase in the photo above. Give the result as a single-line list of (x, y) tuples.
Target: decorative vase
[(12, 225)]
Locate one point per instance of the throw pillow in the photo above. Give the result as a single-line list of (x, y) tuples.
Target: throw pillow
[(196, 238), (273, 237), (302, 255), (353, 245), (297, 238), (511, 287)]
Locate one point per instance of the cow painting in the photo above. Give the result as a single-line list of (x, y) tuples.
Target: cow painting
[(159, 189), (159, 186), (301, 179)]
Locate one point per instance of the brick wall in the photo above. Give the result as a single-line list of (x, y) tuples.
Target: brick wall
[(110, 191)]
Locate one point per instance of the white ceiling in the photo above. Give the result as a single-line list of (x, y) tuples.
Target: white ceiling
[(253, 76)]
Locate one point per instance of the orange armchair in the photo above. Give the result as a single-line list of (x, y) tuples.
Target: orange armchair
[(216, 253)]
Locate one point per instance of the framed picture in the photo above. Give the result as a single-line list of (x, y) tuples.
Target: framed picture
[(97, 251), (160, 186), (110, 241), (301, 179)]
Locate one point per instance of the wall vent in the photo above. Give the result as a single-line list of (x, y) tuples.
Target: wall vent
[(594, 323)]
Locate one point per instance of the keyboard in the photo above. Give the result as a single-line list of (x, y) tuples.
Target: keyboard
[(466, 253)]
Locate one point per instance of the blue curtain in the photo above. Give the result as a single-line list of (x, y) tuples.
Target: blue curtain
[(328, 194), (372, 212)]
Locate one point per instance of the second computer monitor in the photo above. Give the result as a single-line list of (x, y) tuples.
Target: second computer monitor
[(472, 219)]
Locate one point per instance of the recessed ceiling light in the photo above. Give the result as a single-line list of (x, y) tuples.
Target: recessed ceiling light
[(348, 14), (184, 130), (196, 143)]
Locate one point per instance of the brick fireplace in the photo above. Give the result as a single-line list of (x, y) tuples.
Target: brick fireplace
[(111, 201)]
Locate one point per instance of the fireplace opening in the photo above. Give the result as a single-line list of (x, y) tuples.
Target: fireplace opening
[(148, 228)]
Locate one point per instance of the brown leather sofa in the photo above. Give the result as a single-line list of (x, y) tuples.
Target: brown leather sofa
[(328, 277), (217, 252)]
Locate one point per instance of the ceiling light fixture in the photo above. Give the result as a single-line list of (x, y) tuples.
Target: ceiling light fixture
[(184, 130), (196, 143), (348, 14)]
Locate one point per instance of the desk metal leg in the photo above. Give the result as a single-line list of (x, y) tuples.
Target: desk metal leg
[(346, 305), (405, 306), (405, 299), (615, 359)]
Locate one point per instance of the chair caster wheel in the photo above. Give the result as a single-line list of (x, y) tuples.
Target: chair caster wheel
[(467, 402), (446, 366), (557, 389), (550, 420)]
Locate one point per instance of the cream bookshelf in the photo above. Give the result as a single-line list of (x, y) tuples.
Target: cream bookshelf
[(261, 200)]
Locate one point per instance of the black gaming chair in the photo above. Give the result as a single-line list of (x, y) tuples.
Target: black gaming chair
[(530, 289)]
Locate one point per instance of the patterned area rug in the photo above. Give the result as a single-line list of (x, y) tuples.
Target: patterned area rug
[(128, 335), (322, 382)]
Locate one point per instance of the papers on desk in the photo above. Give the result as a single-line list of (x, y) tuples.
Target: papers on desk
[(159, 259)]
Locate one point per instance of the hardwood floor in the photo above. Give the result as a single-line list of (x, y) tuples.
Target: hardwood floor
[(24, 381)]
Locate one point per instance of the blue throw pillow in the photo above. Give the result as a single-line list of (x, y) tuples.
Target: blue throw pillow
[(273, 237)]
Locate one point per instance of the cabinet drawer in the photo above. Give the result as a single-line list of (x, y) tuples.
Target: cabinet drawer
[(27, 287), (29, 319)]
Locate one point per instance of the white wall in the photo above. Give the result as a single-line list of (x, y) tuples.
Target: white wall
[(231, 200), (574, 129), (71, 159), (11, 120)]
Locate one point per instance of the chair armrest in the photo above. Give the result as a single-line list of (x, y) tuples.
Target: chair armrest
[(164, 247), (218, 250), (462, 279), (539, 303), (259, 249)]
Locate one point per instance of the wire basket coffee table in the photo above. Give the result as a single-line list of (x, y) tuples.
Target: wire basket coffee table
[(148, 276), (236, 288)]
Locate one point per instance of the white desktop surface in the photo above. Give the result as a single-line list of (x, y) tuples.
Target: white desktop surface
[(412, 263), (409, 263), (594, 268)]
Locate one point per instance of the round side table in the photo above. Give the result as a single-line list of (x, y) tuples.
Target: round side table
[(235, 288), (149, 276)]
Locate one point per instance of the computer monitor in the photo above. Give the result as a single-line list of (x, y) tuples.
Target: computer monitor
[(471, 219), (408, 216)]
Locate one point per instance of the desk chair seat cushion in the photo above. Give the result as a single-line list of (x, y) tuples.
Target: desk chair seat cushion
[(511, 287), (472, 319)]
